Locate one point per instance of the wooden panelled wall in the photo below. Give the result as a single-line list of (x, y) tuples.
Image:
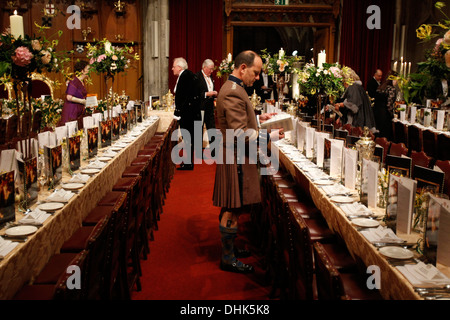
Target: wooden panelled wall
[(103, 21)]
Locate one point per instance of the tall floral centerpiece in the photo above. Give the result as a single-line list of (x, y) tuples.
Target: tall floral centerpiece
[(226, 66), (432, 76), (324, 82), (22, 56), (280, 67), (109, 60)]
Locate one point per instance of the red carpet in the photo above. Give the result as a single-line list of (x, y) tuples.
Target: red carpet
[(183, 263)]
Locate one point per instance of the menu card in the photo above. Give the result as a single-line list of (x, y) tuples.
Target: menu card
[(351, 167), (437, 232), (310, 136), (301, 134), (138, 112), (98, 117), (46, 138), (132, 116), (413, 111), (72, 128), (440, 119), (123, 123), (92, 134), (53, 160), (7, 198), (336, 158), (28, 177), (321, 148), (74, 152), (405, 205), (372, 182), (115, 132), (88, 122), (105, 129)]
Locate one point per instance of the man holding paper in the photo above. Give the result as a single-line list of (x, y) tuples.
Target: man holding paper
[(74, 105)]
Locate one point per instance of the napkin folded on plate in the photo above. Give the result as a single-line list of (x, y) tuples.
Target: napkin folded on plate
[(356, 209), (423, 275), (60, 195), (97, 164), (6, 246), (336, 189), (79, 178), (381, 234), (35, 218), (110, 153)]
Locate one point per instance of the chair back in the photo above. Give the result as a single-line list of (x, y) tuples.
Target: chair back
[(398, 149), (62, 291), (421, 159), (3, 124), (37, 119), (385, 144), (444, 165), (443, 150), (400, 133), (414, 138), (429, 143)]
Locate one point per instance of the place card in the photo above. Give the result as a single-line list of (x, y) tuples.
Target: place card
[(350, 168), (309, 145), (7, 203)]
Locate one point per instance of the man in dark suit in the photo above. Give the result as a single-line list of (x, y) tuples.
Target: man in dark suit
[(373, 83), (207, 94), (186, 105)]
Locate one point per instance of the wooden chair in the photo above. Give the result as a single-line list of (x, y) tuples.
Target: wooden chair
[(429, 143), (414, 138), (385, 144), (421, 159), (445, 167), (443, 147), (347, 127), (398, 149), (400, 133), (11, 128), (334, 285), (357, 131), (3, 124), (37, 119)]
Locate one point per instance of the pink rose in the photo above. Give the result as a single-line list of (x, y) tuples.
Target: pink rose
[(91, 61), (22, 56), (114, 57), (36, 45), (101, 57), (46, 56)]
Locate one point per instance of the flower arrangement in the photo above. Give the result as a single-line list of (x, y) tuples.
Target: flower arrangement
[(328, 79), (279, 62), (51, 110), (23, 56), (427, 82), (109, 60), (383, 187), (226, 67)]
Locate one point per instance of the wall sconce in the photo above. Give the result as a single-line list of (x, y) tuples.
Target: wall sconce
[(120, 7)]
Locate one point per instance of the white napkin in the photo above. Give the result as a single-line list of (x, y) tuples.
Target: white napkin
[(356, 209), (316, 174), (336, 189), (35, 218), (109, 153), (381, 234), (60, 195), (422, 275), (96, 165), (79, 178), (6, 246)]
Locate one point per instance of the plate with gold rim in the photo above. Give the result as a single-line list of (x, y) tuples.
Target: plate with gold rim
[(51, 206)]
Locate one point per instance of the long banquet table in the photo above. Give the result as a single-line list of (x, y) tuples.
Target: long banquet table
[(394, 286), (28, 258)]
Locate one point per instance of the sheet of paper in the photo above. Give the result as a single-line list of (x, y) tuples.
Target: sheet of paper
[(372, 183), (351, 168), (301, 135), (72, 127), (98, 117), (320, 137), (440, 119), (61, 133), (336, 157), (91, 101), (88, 122)]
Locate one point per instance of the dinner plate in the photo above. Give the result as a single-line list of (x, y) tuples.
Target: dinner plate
[(324, 182), (72, 186), (51, 206), (342, 199), (116, 148), (104, 158), (21, 231), (90, 171), (365, 223), (396, 252)]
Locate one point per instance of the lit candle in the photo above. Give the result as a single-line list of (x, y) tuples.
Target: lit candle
[(229, 57), (395, 66), (16, 22), (401, 67), (281, 53), (108, 47), (409, 69), (321, 59)]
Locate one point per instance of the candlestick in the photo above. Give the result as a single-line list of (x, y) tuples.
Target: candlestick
[(16, 22), (395, 66), (229, 57), (401, 67), (281, 53), (409, 69), (108, 47)]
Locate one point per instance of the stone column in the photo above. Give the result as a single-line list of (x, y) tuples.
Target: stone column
[(155, 38)]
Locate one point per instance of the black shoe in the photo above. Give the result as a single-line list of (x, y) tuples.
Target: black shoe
[(186, 167), (241, 253), (236, 267)]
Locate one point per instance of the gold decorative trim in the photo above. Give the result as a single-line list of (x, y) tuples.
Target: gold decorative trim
[(41, 77), (9, 89)]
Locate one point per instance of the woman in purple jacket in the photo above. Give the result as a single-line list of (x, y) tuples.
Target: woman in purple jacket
[(75, 94)]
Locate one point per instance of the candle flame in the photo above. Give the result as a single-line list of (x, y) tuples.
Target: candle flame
[(15, 12)]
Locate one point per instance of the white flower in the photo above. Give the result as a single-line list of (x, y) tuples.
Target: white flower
[(113, 66)]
